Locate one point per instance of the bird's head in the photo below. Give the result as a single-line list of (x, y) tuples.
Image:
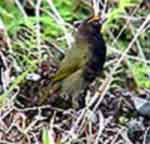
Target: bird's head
[(90, 26)]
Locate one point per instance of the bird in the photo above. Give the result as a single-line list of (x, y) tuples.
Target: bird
[(82, 63)]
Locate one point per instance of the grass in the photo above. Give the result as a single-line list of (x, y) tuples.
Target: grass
[(24, 52)]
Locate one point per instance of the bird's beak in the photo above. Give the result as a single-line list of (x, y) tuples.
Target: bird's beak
[(93, 19), (100, 19)]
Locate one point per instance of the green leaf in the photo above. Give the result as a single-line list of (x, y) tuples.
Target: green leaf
[(45, 138)]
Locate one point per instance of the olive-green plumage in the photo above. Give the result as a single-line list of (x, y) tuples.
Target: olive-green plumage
[(83, 62), (75, 58)]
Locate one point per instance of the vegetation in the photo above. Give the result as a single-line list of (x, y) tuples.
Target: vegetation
[(28, 39)]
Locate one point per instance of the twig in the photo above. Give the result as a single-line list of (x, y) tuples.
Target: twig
[(37, 27), (96, 7), (145, 135), (125, 26), (102, 125), (21, 9), (60, 21), (110, 77), (137, 58)]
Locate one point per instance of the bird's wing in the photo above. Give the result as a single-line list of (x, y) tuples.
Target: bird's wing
[(74, 59)]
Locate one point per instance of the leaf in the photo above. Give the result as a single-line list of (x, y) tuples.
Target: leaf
[(45, 138)]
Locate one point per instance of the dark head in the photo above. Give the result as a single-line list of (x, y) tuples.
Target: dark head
[(90, 26)]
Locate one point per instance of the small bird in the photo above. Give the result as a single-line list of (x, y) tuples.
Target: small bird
[(83, 62)]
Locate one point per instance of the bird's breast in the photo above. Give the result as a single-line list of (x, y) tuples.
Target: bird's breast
[(94, 65)]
